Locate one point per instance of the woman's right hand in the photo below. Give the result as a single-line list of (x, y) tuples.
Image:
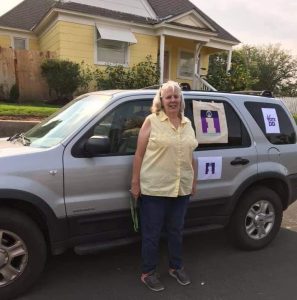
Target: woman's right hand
[(135, 190)]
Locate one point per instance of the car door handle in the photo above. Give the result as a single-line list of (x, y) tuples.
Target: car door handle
[(239, 161)]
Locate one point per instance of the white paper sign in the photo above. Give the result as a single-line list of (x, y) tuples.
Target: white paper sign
[(209, 168), (271, 120)]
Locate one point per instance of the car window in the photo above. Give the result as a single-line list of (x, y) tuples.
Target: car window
[(237, 133), (283, 131), (122, 126)]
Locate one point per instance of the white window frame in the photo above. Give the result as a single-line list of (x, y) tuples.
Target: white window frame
[(20, 38), (179, 64), (105, 63)]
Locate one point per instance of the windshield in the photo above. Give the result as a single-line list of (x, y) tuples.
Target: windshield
[(65, 121)]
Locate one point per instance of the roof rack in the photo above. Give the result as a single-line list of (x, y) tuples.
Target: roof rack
[(264, 93)]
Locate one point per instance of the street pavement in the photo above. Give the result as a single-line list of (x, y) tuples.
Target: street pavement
[(218, 271)]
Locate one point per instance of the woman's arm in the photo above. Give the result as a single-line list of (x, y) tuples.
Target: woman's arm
[(143, 138)]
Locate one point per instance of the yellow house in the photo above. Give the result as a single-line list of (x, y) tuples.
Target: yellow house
[(100, 32)]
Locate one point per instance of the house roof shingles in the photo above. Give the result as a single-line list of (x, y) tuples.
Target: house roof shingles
[(26, 14), (30, 12)]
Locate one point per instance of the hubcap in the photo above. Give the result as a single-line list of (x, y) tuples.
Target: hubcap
[(3, 258), (260, 219), (13, 257)]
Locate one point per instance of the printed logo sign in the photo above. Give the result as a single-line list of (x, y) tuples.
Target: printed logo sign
[(271, 120), (210, 122), (209, 168)]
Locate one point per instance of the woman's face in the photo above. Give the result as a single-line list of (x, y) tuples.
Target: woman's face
[(171, 101)]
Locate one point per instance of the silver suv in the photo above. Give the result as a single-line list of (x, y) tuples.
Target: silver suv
[(64, 184)]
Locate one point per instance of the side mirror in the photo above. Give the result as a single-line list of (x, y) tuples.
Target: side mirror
[(97, 144)]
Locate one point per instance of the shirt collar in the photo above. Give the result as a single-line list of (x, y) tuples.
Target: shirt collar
[(163, 117)]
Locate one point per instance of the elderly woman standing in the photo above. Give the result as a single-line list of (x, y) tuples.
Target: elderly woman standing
[(164, 177)]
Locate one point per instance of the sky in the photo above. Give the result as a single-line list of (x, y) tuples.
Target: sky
[(253, 22)]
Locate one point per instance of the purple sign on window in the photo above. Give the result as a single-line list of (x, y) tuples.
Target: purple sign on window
[(210, 121)]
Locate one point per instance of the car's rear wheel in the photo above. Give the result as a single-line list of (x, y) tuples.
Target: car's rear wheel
[(257, 218), (22, 253)]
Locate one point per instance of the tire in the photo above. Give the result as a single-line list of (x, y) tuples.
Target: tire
[(22, 253), (256, 219)]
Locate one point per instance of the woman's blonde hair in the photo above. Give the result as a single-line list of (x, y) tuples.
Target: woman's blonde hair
[(157, 102)]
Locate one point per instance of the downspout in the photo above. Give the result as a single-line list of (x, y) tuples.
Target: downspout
[(161, 57)]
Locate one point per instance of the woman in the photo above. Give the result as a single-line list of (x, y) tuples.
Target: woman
[(164, 177)]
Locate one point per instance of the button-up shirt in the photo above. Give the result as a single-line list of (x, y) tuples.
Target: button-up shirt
[(166, 168)]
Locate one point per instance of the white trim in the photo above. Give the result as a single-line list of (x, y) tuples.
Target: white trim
[(10, 29), (13, 37), (178, 64), (195, 36), (149, 9), (161, 57), (219, 46), (196, 14), (229, 60), (85, 19)]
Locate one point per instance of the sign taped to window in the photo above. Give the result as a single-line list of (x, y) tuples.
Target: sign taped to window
[(210, 122), (271, 120)]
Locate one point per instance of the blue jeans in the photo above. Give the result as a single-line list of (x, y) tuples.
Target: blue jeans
[(156, 213)]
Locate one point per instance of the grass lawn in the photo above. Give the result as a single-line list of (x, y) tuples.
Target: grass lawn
[(27, 110)]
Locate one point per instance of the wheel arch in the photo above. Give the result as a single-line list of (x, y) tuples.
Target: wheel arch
[(274, 181), (55, 230)]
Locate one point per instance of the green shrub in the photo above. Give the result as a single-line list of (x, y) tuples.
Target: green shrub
[(62, 76), (14, 93), (143, 74), (85, 77)]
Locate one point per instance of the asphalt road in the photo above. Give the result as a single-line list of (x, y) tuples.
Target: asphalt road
[(218, 271)]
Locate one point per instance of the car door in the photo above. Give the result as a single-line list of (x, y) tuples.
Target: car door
[(222, 167), (97, 188)]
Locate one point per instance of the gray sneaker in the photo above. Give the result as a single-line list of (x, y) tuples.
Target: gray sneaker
[(181, 276), (152, 282)]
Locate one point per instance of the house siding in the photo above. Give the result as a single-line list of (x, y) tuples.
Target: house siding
[(5, 41), (34, 44), (49, 41), (76, 43), (146, 45)]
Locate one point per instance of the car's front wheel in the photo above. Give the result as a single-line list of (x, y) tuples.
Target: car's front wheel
[(22, 252), (257, 218)]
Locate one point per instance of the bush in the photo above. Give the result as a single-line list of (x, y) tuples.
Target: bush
[(143, 74), (85, 77), (14, 93), (62, 76)]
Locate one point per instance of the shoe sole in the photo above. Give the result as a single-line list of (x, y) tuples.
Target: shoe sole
[(180, 282), (152, 289)]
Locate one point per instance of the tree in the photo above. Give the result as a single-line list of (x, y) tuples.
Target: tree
[(255, 68), (238, 78)]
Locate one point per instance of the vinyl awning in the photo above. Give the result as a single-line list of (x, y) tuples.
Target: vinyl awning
[(116, 34)]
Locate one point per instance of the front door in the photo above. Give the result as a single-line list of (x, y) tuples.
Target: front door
[(97, 188)]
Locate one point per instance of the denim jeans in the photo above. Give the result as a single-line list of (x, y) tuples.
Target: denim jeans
[(157, 213)]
